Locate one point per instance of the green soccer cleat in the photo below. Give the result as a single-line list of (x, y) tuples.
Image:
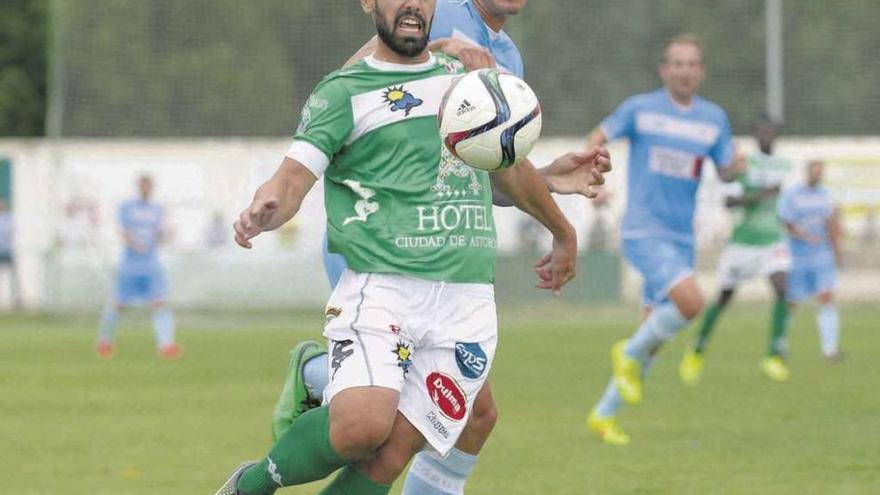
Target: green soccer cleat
[(607, 428), (691, 368), (295, 398), (627, 374), (775, 369), (230, 487)]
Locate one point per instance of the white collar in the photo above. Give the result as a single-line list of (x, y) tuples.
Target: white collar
[(391, 66)]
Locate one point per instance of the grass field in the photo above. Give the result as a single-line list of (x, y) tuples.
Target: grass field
[(71, 424)]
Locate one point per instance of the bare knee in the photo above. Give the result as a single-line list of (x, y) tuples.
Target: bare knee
[(389, 461), (688, 298), (359, 423)]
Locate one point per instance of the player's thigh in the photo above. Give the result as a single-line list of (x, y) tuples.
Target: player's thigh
[(663, 264), (365, 354), (448, 373), (800, 283), (826, 283)]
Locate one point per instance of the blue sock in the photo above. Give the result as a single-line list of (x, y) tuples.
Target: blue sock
[(107, 331), (661, 325), (315, 376), (431, 474), (163, 326), (829, 329), (611, 401)]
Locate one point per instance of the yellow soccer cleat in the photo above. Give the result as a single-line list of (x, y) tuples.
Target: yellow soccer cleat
[(607, 429), (627, 374), (775, 369), (691, 368)]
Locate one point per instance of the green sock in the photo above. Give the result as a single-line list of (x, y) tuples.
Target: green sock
[(302, 454), (778, 331), (350, 481), (708, 324)]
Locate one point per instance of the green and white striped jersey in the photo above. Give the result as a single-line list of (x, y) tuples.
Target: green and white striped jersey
[(397, 201)]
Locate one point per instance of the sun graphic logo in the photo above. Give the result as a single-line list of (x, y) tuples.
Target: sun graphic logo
[(401, 99)]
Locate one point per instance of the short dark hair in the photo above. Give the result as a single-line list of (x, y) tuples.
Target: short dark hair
[(684, 39)]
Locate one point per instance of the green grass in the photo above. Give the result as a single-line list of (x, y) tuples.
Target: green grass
[(71, 424)]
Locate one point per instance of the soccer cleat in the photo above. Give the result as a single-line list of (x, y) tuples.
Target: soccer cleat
[(104, 349), (607, 429), (295, 398), (691, 368), (230, 487), (775, 369), (171, 351), (627, 374)]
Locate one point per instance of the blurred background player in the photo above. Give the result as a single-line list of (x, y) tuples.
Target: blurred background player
[(815, 238), (471, 31), (756, 248), (671, 132), (140, 278), (7, 253)]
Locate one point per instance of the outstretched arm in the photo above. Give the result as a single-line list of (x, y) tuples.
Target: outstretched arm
[(835, 233), (275, 202), (524, 187), (751, 199)]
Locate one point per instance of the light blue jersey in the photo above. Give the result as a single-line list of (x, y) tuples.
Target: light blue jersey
[(813, 269), (141, 278), (668, 145), (461, 20), (810, 210), (457, 19)]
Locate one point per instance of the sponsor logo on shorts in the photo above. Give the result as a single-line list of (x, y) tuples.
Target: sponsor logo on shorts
[(403, 351), (447, 395), (471, 359), (332, 312), (340, 353), (437, 424), (395, 329)]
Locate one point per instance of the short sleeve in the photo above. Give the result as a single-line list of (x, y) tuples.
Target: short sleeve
[(444, 20), (325, 123), (733, 189), (622, 121), (722, 150), (784, 208)]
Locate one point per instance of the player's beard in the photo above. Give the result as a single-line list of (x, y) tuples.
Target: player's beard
[(406, 46)]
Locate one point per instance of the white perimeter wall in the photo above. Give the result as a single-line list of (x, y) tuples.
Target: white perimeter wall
[(65, 196)]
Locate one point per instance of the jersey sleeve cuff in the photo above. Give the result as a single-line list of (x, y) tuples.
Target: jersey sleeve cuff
[(309, 155)]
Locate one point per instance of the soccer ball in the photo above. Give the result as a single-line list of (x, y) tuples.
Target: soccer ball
[(489, 119)]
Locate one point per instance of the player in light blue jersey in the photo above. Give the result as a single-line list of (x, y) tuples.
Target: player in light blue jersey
[(814, 236), (672, 132), (140, 276)]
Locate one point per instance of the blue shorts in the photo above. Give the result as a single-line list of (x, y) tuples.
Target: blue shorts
[(662, 263), (806, 280), (334, 264), (135, 287)]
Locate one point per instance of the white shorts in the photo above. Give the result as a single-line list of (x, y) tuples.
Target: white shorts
[(431, 341), (740, 262)]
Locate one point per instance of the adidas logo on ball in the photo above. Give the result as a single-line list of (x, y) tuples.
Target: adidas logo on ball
[(464, 108)]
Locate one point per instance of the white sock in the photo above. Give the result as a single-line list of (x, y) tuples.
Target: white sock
[(163, 326), (661, 325), (431, 474), (829, 329)]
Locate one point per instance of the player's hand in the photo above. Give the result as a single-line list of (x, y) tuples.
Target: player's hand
[(557, 268), (578, 172), (473, 57), (253, 220)]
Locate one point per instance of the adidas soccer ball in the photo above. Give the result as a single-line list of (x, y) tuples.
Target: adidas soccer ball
[(489, 119)]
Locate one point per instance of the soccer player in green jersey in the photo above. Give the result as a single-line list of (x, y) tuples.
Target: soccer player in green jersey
[(411, 325), (756, 248)]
